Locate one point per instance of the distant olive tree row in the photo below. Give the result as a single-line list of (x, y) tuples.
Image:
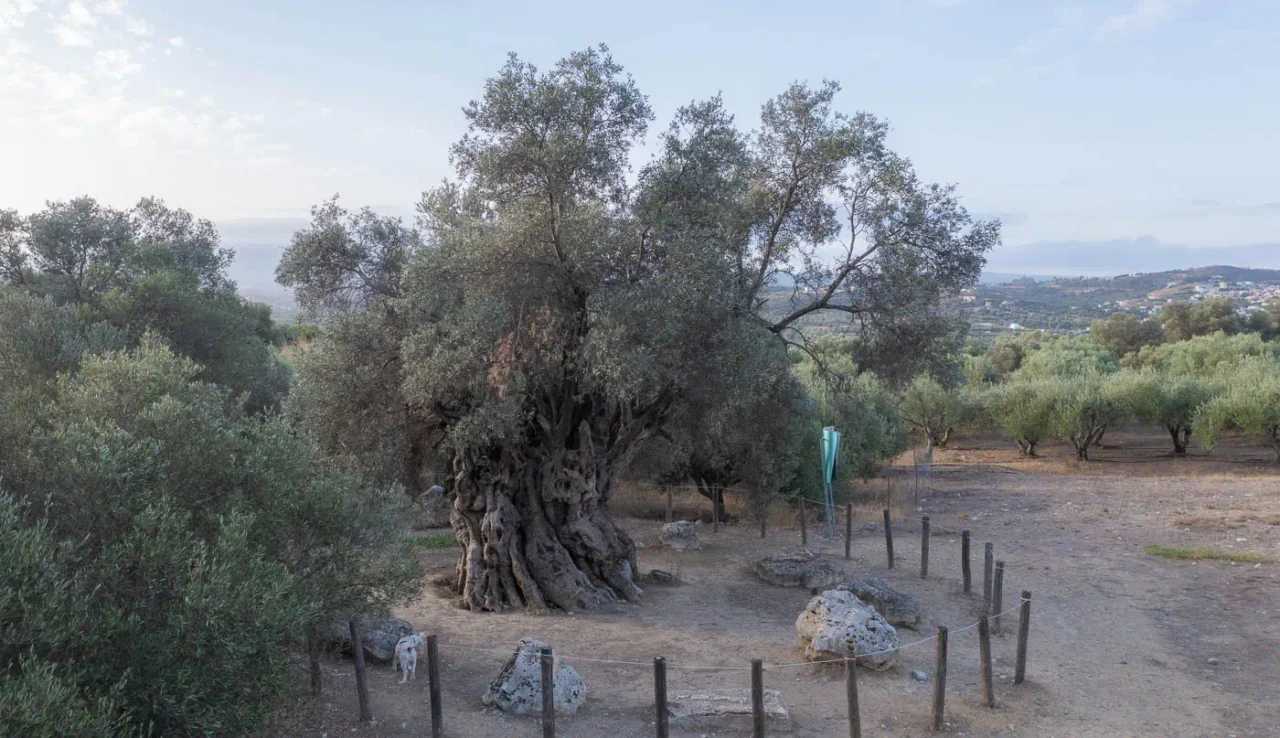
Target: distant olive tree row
[(1073, 389)]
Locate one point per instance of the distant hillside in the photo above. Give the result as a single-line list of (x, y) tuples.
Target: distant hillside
[(1071, 303)]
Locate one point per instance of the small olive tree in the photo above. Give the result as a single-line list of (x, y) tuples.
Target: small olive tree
[(1084, 407), (1170, 401), (1023, 410), (931, 410), (1250, 402)]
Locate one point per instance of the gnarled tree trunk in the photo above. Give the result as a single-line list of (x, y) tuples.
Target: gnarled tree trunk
[(534, 523)]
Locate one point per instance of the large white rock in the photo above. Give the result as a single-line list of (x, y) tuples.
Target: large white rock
[(727, 709), (681, 535), (836, 624), (518, 688)]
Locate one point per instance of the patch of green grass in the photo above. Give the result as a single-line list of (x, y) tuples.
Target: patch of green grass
[(441, 541), (1196, 554)]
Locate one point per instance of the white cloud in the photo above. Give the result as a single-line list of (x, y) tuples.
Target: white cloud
[(71, 36), (138, 27), (167, 121), (110, 7), (1144, 15), (13, 13), (177, 42), (114, 64), (79, 15), (59, 86), (73, 27)]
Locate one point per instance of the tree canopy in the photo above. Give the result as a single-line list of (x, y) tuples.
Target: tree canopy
[(557, 314), (149, 269)]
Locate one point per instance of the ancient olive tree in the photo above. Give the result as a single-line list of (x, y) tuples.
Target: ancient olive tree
[(559, 314)]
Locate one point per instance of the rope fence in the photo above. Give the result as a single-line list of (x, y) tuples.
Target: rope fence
[(992, 594)]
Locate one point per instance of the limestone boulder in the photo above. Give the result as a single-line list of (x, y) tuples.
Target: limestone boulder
[(900, 609), (378, 635), (517, 690), (727, 710), (681, 535), (798, 567), (432, 509), (836, 624)]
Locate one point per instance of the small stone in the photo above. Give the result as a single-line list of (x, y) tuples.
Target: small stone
[(679, 536), (919, 676), (658, 576), (1213, 662)]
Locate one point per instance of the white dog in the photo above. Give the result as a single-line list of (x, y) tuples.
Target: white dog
[(406, 658)]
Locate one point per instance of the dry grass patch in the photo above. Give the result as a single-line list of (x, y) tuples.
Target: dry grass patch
[(1197, 554)]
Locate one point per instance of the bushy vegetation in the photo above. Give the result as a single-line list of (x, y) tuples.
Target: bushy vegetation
[(170, 544)]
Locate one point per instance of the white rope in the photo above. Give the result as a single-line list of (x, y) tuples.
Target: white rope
[(676, 667)]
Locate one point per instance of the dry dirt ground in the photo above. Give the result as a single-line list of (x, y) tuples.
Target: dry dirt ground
[(1122, 643)]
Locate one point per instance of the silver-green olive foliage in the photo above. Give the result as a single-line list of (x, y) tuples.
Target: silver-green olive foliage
[(562, 307)]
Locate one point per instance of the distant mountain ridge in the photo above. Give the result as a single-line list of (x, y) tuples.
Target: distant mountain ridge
[(1071, 303)]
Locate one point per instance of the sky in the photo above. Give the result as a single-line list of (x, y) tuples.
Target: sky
[(1109, 122)]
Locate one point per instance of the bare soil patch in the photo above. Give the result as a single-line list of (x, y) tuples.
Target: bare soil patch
[(1122, 643)]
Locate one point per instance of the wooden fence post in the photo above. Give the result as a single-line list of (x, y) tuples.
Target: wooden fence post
[(1024, 628), (888, 537), (548, 694), (757, 698), (848, 530), (362, 684), (804, 532), (669, 506), (851, 696), (984, 650), (433, 678), (939, 678), (924, 546), (988, 565), (660, 695), (964, 561), (313, 655), (997, 594), (715, 510)]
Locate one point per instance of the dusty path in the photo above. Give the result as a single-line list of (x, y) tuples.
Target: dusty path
[(1122, 644)]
